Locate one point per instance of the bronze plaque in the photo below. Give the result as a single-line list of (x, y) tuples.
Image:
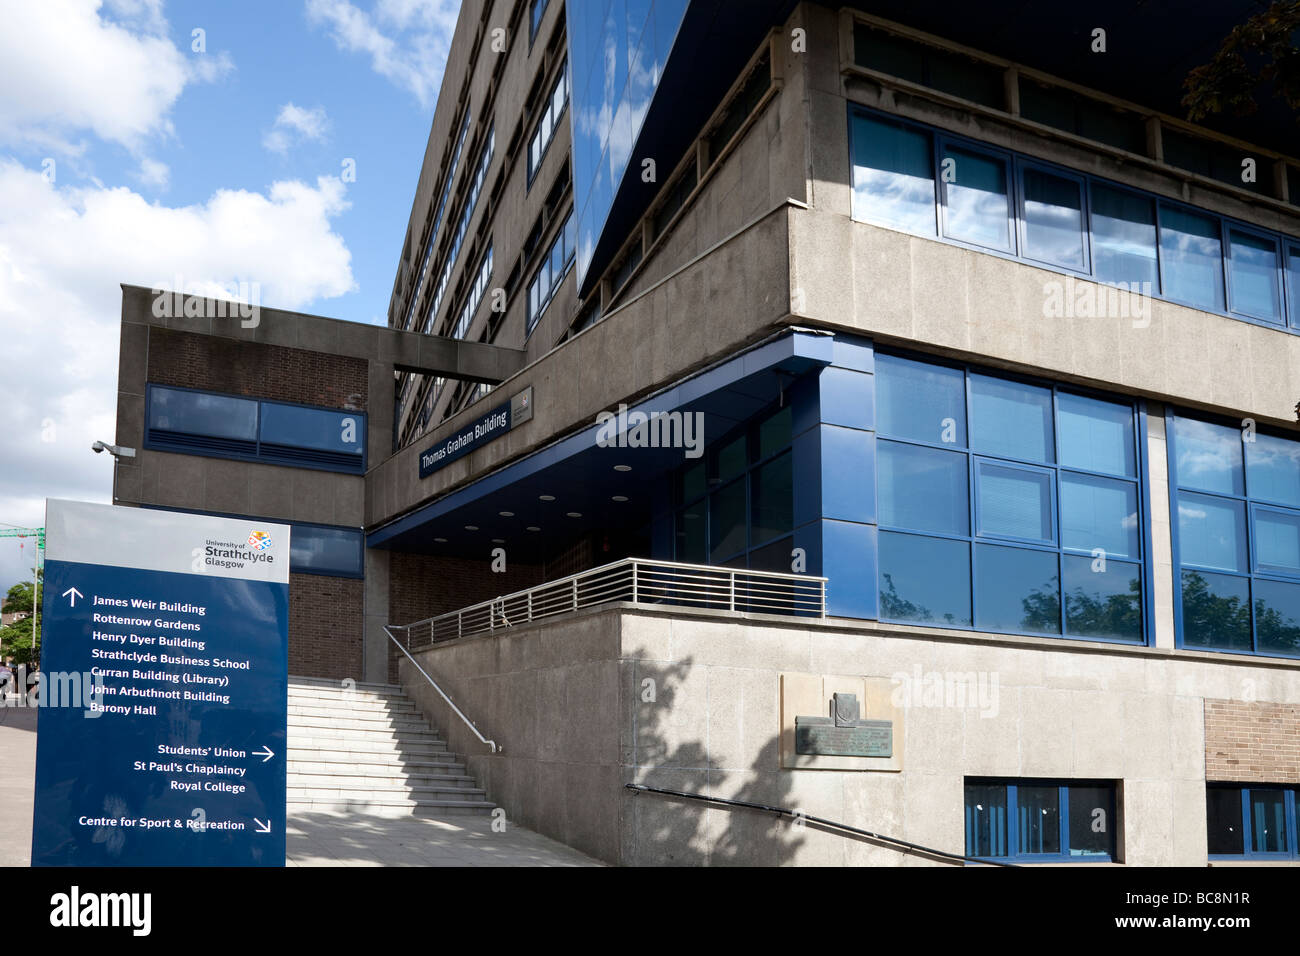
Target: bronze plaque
[(819, 736)]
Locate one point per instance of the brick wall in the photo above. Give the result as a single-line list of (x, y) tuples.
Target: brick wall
[(1252, 743), (422, 585), (326, 626), (259, 371)]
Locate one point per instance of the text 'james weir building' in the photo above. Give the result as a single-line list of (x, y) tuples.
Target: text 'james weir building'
[(880, 410)]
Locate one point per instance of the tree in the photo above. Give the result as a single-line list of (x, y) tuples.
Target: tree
[(1257, 53), (16, 640)]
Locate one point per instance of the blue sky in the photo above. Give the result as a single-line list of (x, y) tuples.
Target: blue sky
[(128, 156)]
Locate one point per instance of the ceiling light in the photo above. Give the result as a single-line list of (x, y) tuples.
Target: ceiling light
[(441, 540), (620, 498), (532, 527), (471, 527), (622, 467), (546, 497), (575, 514), (506, 514)]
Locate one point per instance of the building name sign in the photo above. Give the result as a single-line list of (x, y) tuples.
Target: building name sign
[(477, 433)]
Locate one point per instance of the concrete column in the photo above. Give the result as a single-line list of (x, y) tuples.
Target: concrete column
[(375, 643)]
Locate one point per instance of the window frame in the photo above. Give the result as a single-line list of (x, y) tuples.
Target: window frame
[(1289, 791), (152, 443), (1142, 563), (942, 142), (1013, 785), (1290, 297), (1085, 215), (1249, 505), (1279, 274), (530, 169)]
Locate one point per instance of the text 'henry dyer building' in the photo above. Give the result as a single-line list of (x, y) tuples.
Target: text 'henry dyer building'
[(881, 410)]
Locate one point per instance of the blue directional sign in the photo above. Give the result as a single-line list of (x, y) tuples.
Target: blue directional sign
[(163, 690)]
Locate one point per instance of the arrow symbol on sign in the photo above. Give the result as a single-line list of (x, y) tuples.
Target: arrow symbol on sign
[(262, 827), (72, 594), (265, 750)]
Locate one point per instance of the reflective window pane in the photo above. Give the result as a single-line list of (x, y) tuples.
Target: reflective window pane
[(1253, 272), (926, 580), (986, 820), (731, 459), (1273, 469), (1277, 617), (1209, 456), (1277, 541), (692, 534), (1015, 502), (976, 205), (1091, 825), (197, 413), (1099, 513), (1211, 532), (1124, 238), (923, 402), (1096, 435), (333, 550), (773, 434), (924, 489), (1053, 219), (1268, 831), (776, 556), (1017, 590), (313, 428), (1223, 820), (1011, 420), (1102, 602), (1038, 819), (772, 497), (893, 175), (727, 521), (1191, 255), (1216, 611), (1293, 282)]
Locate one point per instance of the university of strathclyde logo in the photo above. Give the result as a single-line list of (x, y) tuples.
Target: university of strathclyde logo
[(259, 540)]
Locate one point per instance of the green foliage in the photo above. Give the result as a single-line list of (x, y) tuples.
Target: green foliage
[(16, 640), (1259, 53)]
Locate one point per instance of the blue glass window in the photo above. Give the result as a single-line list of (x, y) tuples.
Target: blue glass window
[(1040, 820), (1053, 216), (735, 507), (922, 488), (1253, 275), (926, 403), (317, 549), (536, 10), (1273, 470), (893, 178), (1124, 238), (1011, 420), (1237, 546), (227, 426), (552, 108), (977, 201), (1191, 252), (1251, 821), (185, 412), (1034, 528), (546, 280), (925, 580), (1017, 205)]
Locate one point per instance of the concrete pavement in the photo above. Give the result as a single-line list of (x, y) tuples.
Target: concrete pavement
[(17, 777)]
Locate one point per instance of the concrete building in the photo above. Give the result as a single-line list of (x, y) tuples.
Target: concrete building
[(877, 412)]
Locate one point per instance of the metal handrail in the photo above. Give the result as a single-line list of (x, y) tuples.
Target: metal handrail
[(637, 581), (491, 744)]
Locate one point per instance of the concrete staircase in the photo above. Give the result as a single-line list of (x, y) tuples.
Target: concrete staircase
[(367, 749)]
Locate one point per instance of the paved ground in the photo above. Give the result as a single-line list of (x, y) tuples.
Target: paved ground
[(347, 839), (17, 775)]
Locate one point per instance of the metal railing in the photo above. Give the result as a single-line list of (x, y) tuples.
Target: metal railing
[(634, 580), (491, 744)]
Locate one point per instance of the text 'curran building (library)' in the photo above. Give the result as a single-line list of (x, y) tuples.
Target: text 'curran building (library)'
[(860, 409)]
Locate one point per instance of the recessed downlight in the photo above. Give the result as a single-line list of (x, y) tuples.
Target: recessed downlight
[(471, 527), (574, 514), (506, 514), (532, 527), (622, 467), (619, 498), (498, 540), (546, 497), (440, 540)]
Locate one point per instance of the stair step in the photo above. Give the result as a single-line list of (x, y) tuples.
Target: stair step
[(313, 788), (373, 758), (423, 807), (355, 722), (318, 777), (332, 684), (317, 732), (311, 706)]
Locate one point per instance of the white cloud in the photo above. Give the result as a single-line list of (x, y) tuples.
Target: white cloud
[(66, 70), (295, 124), (154, 173), (63, 253), (406, 40)]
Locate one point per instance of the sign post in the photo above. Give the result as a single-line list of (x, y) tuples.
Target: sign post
[(163, 690)]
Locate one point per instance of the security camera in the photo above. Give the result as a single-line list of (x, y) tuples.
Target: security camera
[(113, 450)]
